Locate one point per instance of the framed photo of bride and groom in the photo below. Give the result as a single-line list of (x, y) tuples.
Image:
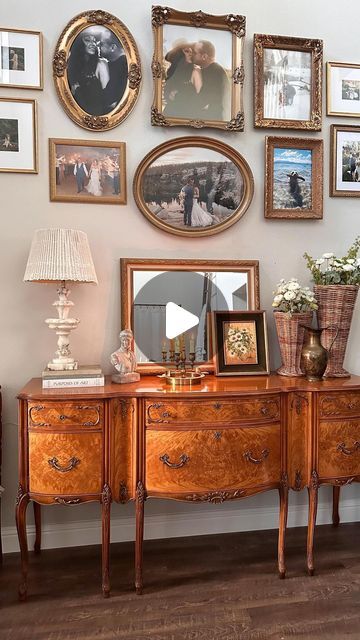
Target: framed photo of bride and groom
[(90, 171), (198, 69)]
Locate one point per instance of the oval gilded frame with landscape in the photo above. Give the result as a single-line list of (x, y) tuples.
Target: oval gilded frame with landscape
[(193, 186), (97, 70)]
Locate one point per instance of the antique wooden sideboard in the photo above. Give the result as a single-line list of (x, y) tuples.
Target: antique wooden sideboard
[(226, 439)]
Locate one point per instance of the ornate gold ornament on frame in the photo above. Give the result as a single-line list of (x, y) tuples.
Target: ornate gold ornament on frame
[(102, 121)]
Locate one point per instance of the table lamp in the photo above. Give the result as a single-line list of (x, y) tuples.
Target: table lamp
[(61, 255)]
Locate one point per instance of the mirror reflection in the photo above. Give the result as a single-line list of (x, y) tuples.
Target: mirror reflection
[(197, 292)]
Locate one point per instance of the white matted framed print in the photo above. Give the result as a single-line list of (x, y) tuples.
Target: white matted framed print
[(18, 136), (343, 89), (21, 59), (345, 161)]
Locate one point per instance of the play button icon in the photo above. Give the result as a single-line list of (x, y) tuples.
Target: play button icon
[(178, 320)]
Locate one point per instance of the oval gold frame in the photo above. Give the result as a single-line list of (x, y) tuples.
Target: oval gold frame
[(66, 39), (207, 143)]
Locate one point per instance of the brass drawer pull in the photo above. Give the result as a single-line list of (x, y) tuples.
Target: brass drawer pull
[(249, 457), (63, 417), (54, 463), (67, 500), (174, 465), (348, 452), (90, 423), (352, 405)]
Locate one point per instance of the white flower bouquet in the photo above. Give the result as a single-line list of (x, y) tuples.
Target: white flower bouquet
[(240, 343), (290, 297), (332, 270)]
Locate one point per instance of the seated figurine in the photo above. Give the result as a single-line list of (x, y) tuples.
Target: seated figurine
[(124, 360)]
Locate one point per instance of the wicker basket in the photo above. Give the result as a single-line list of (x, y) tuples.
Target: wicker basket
[(336, 306), (291, 337)]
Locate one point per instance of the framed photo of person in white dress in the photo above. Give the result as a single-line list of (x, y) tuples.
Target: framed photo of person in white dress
[(193, 186), (88, 171)]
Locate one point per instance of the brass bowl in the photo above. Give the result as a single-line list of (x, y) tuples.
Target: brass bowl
[(176, 379)]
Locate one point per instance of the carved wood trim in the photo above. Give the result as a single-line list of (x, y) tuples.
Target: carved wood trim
[(314, 481), (20, 494), (284, 481), (61, 500), (123, 492), (216, 497), (298, 481), (39, 407), (298, 402), (166, 414), (106, 495), (140, 493)]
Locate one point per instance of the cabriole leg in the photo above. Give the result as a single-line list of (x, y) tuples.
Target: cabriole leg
[(140, 499), (22, 502)]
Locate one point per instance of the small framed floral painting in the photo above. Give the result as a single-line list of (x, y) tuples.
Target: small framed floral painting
[(240, 343)]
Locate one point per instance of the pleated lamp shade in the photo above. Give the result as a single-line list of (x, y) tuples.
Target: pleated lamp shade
[(60, 254)]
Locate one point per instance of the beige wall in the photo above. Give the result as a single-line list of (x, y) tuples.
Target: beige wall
[(117, 231)]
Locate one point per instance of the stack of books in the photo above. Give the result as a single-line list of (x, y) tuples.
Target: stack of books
[(84, 376)]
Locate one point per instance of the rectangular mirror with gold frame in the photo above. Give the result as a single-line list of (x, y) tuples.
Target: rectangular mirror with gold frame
[(196, 287)]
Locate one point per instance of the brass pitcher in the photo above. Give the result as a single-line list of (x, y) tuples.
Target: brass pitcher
[(314, 357)]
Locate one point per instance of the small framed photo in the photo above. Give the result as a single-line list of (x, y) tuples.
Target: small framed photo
[(89, 171), (345, 161), (18, 136), (240, 343), (287, 82), (21, 59), (293, 178), (343, 89), (198, 69)]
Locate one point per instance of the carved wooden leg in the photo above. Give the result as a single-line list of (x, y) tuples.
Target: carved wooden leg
[(140, 499), (313, 500), (284, 500), (335, 513), (106, 504), (37, 518), (22, 502)]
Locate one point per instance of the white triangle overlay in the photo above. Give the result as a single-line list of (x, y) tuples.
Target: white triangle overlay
[(178, 320)]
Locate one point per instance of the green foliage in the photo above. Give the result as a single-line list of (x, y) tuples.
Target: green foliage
[(332, 270)]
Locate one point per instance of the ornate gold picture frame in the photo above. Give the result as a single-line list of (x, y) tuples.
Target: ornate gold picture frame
[(293, 178), (288, 82), (344, 161), (97, 70), (193, 186), (91, 171), (198, 69)]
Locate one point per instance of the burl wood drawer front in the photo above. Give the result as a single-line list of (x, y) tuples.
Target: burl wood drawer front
[(339, 449), (66, 414), (65, 464), (180, 461), (191, 412), (339, 404)]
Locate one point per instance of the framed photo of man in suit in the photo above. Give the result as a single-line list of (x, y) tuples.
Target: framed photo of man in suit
[(198, 69)]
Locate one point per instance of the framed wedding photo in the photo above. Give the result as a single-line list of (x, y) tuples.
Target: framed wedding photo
[(287, 82), (21, 60), (193, 186), (240, 343), (97, 70), (90, 171), (198, 69), (293, 178), (345, 161), (18, 135), (343, 89)]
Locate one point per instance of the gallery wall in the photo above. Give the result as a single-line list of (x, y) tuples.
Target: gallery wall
[(122, 231)]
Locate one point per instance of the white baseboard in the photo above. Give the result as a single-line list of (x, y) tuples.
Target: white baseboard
[(199, 522)]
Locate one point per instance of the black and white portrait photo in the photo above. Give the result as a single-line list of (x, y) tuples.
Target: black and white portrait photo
[(97, 70), (9, 134), (13, 58)]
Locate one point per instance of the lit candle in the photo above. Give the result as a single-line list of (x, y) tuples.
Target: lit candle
[(172, 344), (164, 345), (177, 345), (192, 344)]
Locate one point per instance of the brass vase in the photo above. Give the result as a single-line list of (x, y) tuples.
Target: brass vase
[(314, 357)]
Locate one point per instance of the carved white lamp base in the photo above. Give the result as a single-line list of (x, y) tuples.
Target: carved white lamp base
[(63, 326)]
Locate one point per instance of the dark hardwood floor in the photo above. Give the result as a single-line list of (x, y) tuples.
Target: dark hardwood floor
[(222, 587)]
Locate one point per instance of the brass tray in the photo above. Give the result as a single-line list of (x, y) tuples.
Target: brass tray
[(177, 379)]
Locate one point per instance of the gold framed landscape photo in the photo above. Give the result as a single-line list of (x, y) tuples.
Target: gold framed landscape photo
[(343, 89), (288, 82), (21, 59), (240, 343), (90, 171), (97, 70), (293, 178), (345, 161), (18, 135), (198, 69), (193, 186)]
